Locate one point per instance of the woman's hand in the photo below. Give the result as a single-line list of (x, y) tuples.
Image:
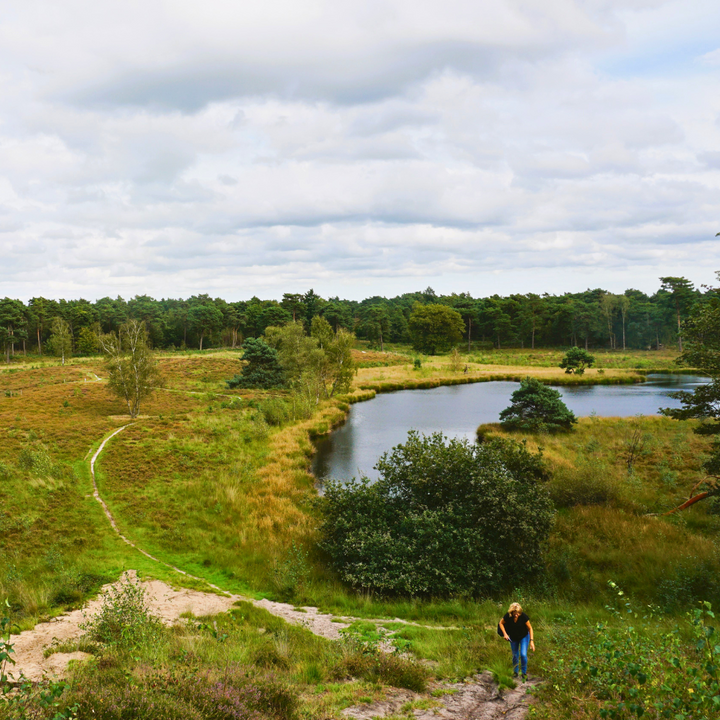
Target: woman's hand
[(532, 645)]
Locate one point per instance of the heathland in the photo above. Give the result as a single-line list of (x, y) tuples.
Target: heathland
[(216, 482)]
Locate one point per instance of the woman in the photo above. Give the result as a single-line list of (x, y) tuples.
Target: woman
[(517, 629)]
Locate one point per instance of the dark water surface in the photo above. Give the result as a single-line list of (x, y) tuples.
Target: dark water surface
[(379, 424)]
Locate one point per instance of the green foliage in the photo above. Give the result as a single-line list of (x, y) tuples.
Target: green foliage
[(6, 649), (435, 328), (290, 575), (60, 343), (318, 365), (363, 656), (204, 317), (441, 519), (88, 342), (536, 407), (576, 360), (275, 411), (262, 367), (13, 324), (124, 620), (132, 370), (702, 350), (640, 669)]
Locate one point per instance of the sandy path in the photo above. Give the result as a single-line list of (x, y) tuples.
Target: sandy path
[(163, 602), (478, 699)]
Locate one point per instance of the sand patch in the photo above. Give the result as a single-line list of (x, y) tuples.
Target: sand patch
[(163, 602)]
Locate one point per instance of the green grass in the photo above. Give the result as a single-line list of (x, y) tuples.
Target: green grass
[(204, 483), (645, 360)]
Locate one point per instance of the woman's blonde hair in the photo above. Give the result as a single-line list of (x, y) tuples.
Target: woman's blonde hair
[(514, 607)]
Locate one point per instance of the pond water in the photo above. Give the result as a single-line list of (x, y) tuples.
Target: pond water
[(379, 424)]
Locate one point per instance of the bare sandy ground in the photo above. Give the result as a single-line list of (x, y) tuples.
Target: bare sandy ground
[(163, 602)]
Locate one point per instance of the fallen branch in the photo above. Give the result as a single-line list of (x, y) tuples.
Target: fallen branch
[(687, 503), (714, 490)]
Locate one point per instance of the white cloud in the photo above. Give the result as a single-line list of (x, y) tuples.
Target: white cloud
[(359, 148)]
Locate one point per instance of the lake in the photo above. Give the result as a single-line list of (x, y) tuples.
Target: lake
[(379, 424)]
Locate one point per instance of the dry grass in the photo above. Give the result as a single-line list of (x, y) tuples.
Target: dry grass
[(605, 529), (438, 370)]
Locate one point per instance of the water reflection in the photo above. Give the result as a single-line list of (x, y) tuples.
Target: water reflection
[(456, 410)]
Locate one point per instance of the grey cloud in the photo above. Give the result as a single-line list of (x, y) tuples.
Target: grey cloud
[(710, 159), (351, 79)]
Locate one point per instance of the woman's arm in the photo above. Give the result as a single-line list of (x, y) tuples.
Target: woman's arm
[(532, 642), (502, 625)]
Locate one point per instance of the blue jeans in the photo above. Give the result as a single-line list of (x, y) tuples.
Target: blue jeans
[(519, 649)]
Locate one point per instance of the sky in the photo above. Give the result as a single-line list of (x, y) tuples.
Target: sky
[(357, 147)]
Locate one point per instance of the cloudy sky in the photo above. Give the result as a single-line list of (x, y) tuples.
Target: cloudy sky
[(359, 147)]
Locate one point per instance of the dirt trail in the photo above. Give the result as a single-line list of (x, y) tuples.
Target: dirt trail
[(326, 626), (163, 602), (478, 699)]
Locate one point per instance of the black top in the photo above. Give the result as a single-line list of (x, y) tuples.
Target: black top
[(516, 630)]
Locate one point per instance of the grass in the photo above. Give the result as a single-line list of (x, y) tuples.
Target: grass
[(202, 481), (611, 368), (606, 526)]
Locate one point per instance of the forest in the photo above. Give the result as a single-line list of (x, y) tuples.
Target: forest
[(593, 319)]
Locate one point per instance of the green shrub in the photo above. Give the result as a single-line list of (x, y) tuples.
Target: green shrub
[(637, 669), (576, 360), (440, 519), (262, 367), (275, 411), (291, 574), (36, 459), (588, 484), (535, 407), (696, 579), (124, 619)]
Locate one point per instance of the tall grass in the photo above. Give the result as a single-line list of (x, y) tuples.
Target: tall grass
[(205, 482)]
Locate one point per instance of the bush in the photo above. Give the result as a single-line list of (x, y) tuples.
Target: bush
[(124, 619), (536, 407), (576, 360), (637, 669), (275, 411), (262, 367), (695, 580), (443, 518), (588, 484)]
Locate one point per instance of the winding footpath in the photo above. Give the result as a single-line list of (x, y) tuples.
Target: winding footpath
[(327, 626)]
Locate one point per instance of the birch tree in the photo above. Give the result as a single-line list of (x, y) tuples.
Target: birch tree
[(61, 338), (132, 371)]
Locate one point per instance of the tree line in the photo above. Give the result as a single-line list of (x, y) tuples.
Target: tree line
[(594, 318)]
